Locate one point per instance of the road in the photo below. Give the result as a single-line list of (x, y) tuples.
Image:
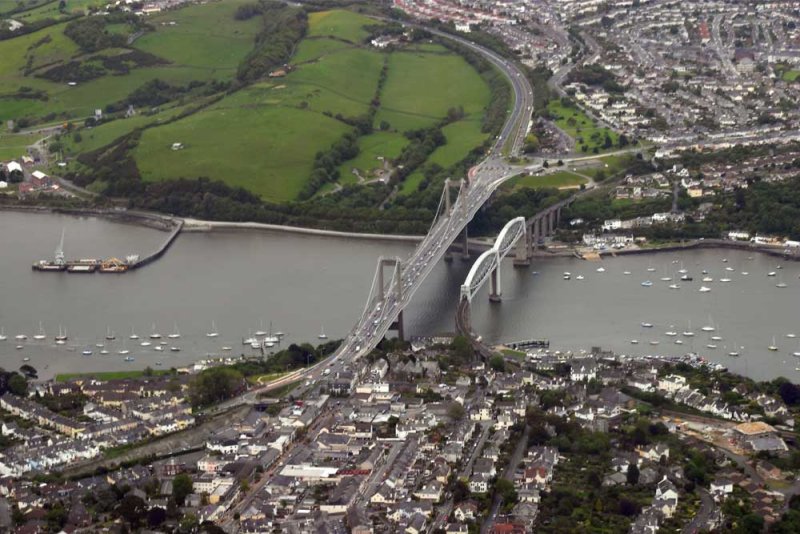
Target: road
[(508, 474), (702, 516)]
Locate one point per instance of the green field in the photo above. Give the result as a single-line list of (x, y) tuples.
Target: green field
[(109, 375), (339, 24), (558, 180), (12, 146), (791, 75), (409, 100), (580, 127), (379, 144)]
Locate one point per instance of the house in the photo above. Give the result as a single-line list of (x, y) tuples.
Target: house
[(666, 489), (721, 487), (758, 436), (432, 491), (583, 369), (654, 452), (466, 510), (456, 528)]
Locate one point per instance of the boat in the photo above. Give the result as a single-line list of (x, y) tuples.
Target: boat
[(567, 277), (682, 270), (175, 349), (19, 347), (647, 283), (709, 327), (20, 337), (213, 332), (745, 273), (707, 279), (679, 342), (3, 335), (62, 335), (322, 334), (133, 334), (579, 277), (60, 342), (154, 334), (176, 333), (647, 325), (688, 332), (733, 353), (26, 359), (269, 344), (704, 289), (650, 268), (704, 271), (716, 338), (781, 285), (711, 346), (159, 348), (791, 336), (159, 364), (626, 273), (227, 349), (255, 344), (601, 269), (724, 260), (271, 338), (773, 347), (162, 342), (280, 334), (260, 332), (40, 335), (671, 333), (729, 269), (654, 342), (104, 352), (634, 341), (123, 351), (686, 278), (87, 352), (725, 280), (674, 286), (109, 334), (145, 344), (129, 358), (772, 273)]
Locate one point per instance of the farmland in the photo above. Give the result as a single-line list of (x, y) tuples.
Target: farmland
[(263, 133)]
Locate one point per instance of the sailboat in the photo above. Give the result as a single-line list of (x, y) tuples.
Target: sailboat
[(666, 278), (176, 333), (260, 332), (773, 347), (133, 334), (123, 350), (109, 334), (796, 353), (154, 334), (781, 284), (733, 353), (61, 338), (688, 332), (651, 269), (213, 332), (682, 270), (3, 335), (709, 327), (40, 335), (671, 332), (270, 340), (322, 334)]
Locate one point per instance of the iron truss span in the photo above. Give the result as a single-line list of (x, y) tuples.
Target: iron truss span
[(489, 262)]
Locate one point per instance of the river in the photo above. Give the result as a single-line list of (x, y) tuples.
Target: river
[(245, 281)]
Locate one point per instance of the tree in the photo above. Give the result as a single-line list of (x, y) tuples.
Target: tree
[(460, 491), (132, 509), (181, 487), (505, 489), (497, 363), (632, 475), (462, 349), (156, 516), (17, 384), (456, 411)]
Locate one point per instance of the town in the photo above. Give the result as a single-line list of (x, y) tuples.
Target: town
[(418, 437)]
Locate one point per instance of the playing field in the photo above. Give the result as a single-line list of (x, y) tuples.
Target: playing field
[(558, 180)]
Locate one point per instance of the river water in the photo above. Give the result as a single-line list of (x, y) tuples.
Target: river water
[(298, 284)]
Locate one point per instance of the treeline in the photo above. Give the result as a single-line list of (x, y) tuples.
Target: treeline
[(596, 75), (538, 78), (156, 92), (30, 27), (282, 30), (97, 66), (326, 164)]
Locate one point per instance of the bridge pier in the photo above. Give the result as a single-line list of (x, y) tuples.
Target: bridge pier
[(465, 245), (399, 327), (522, 255), (495, 290)]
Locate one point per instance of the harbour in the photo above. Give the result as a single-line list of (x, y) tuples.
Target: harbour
[(232, 282)]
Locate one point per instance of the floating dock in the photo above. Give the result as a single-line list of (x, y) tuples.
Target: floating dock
[(529, 344)]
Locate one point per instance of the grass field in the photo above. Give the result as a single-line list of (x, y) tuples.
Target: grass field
[(791, 75), (580, 127), (409, 101), (109, 375), (340, 24), (558, 180), (12, 146), (379, 144)]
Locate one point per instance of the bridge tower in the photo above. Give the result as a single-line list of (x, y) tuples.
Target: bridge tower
[(397, 278), (450, 208)]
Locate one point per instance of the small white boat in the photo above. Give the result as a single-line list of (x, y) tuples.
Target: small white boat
[(716, 338), (260, 332), (40, 335), (61, 342), (19, 347), (87, 352), (255, 345), (145, 343), (647, 325), (601, 269), (688, 332), (227, 349), (724, 260), (159, 348), (123, 351), (634, 341), (671, 333), (154, 334), (269, 344), (104, 352), (175, 349), (772, 273), (666, 279), (176, 333), (730, 269), (654, 342), (99, 345), (280, 334), (162, 342), (20, 337), (679, 342), (708, 279), (109, 334), (159, 364), (567, 277), (674, 286), (773, 347), (647, 283), (62, 335), (733, 353), (709, 327), (26, 359), (725, 280), (133, 334), (781, 285), (213, 332), (745, 273), (711, 346), (579, 277), (3, 335), (129, 358), (704, 289), (626, 273), (322, 334)]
